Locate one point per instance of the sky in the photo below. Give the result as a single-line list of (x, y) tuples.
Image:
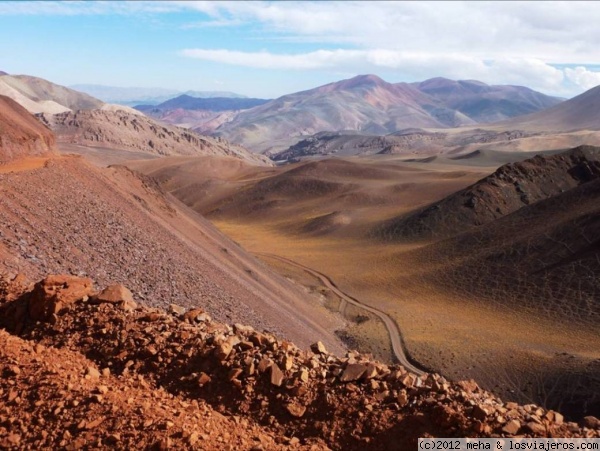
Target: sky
[(268, 49)]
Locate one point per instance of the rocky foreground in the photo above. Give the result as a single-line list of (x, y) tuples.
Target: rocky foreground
[(83, 369)]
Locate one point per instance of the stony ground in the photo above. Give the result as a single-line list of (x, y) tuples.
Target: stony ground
[(83, 369)]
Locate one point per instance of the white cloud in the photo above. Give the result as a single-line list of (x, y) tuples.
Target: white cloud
[(520, 71), (582, 77)]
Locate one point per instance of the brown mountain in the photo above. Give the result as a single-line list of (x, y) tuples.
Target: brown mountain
[(368, 105), (125, 131), (486, 103), (21, 134), (579, 113), (511, 187), (365, 103)]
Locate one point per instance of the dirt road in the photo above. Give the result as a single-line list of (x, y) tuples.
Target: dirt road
[(393, 330)]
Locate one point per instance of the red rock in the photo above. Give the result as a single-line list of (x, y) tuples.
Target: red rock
[(276, 376), (55, 293), (113, 294), (512, 427), (296, 410), (318, 348), (353, 372)]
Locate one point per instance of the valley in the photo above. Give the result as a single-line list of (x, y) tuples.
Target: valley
[(350, 266), (333, 216)]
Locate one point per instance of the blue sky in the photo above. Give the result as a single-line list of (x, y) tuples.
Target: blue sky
[(267, 49)]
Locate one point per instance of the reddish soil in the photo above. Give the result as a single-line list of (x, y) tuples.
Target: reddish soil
[(90, 371), (21, 134)]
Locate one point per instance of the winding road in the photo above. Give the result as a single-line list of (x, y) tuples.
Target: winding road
[(394, 332)]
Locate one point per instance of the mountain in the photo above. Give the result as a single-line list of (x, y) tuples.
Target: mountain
[(21, 134), (41, 96), (365, 103), (579, 113), (369, 105), (150, 96), (510, 188), (484, 103), (126, 131), (188, 102)]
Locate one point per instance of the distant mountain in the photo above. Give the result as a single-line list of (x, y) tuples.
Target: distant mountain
[(365, 103), (144, 96), (3, 73), (188, 102), (485, 103), (21, 134), (370, 105), (579, 113)]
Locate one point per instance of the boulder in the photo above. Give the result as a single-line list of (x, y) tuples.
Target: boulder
[(113, 294), (55, 293), (353, 372)]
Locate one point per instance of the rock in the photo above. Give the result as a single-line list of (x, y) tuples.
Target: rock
[(536, 428), (303, 376), (176, 309), (13, 370), (402, 398), (470, 386), (353, 372), (93, 373), (234, 373), (371, 371), (223, 350), (296, 410), (56, 292), (192, 315), (590, 422), (288, 362), (554, 417), (276, 376), (318, 348), (264, 365), (512, 427), (203, 379), (113, 294), (480, 413)]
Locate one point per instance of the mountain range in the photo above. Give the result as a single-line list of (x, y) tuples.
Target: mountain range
[(370, 105), (149, 96)]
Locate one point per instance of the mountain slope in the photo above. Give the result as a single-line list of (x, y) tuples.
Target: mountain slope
[(484, 103), (21, 134), (122, 130), (579, 113), (119, 227), (42, 91), (510, 188)]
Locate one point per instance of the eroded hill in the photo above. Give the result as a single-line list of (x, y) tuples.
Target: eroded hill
[(122, 130)]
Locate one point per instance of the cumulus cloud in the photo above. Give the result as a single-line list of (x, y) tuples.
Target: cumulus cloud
[(582, 77)]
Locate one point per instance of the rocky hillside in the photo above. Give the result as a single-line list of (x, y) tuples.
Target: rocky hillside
[(21, 134), (125, 131), (88, 368), (511, 187)]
